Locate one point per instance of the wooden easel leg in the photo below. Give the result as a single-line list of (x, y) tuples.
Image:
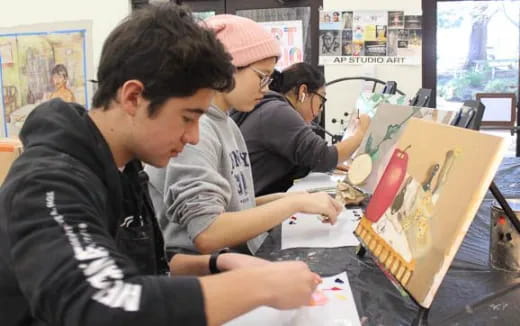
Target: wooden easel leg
[(422, 317)]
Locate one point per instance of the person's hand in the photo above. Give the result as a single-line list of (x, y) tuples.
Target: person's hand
[(230, 261), (290, 284), (341, 168), (320, 203), (362, 123)]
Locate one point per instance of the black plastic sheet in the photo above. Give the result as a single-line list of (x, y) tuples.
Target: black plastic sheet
[(472, 293)]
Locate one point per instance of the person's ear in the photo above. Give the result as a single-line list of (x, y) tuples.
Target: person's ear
[(302, 93), (131, 96)]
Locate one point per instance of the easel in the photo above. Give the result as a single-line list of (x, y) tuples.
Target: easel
[(421, 319), (471, 122), (474, 124), (422, 314)]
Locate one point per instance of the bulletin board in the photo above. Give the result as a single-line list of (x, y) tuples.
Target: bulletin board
[(370, 37)]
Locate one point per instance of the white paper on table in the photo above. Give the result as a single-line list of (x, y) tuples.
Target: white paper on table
[(315, 181), (340, 309), (307, 231)]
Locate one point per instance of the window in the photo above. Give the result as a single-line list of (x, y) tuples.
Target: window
[(472, 47)]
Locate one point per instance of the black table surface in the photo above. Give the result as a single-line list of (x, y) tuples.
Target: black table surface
[(472, 293)]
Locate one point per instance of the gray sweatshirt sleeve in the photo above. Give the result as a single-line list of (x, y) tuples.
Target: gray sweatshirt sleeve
[(287, 134), (194, 191)]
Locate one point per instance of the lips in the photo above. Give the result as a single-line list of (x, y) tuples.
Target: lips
[(175, 152)]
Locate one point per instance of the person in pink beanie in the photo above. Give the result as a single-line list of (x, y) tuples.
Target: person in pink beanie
[(205, 198)]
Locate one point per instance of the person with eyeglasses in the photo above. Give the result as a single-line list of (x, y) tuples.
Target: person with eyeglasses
[(205, 197), (282, 146)]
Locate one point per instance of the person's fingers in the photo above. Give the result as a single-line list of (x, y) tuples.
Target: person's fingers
[(337, 205), (331, 216), (317, 279), (342, 167)]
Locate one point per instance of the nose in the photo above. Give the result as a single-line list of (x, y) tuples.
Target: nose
[(191, 134)]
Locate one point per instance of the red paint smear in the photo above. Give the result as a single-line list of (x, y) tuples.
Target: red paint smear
[(388, 186), (333, 289), (501, 220)]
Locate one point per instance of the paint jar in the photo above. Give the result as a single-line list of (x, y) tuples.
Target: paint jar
[(504, 249)]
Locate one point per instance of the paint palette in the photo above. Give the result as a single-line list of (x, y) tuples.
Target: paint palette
[(333, 305), (309, 231)]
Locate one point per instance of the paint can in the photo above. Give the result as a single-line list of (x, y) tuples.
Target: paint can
[(504, 249)]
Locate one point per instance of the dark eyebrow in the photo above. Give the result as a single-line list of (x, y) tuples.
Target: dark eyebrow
[(196, 110)]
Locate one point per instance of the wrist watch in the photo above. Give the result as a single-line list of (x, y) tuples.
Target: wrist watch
[(213, 261)]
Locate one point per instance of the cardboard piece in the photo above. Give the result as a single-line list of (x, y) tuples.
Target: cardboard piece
[(10, 149)]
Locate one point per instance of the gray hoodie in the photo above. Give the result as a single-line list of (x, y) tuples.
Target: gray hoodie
[(204, 181), (282, 146)]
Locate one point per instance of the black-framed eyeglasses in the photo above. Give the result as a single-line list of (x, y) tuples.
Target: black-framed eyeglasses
[(322, 98), (265, 79)]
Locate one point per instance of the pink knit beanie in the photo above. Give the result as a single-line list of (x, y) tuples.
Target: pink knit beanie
[(246, 40)]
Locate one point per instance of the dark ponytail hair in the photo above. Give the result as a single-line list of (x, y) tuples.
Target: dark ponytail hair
[(296, 75)]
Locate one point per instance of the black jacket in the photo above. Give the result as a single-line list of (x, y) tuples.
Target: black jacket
[(77, 247), (282, 147)]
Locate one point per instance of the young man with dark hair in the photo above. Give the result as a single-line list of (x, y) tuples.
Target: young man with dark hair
[(79, 243)]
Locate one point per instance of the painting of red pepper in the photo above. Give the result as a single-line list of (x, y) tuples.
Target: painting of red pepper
[(388, 186), (425, 201)]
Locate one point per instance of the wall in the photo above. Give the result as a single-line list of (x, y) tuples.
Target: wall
[(342, 96), (103, 14)]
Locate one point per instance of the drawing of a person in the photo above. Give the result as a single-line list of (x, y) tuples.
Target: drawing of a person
[(326, 18), (358, 33), (357, 49), (330, 44), (60, 77), (347, 19), (347, 49), (335, 16)]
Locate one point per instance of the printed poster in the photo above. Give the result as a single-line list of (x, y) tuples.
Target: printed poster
[(290, 35), (370, 37), (42, 62)]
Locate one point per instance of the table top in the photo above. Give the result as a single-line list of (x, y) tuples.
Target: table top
[(472, 293)]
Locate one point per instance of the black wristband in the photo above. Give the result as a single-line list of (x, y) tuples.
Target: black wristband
[(213, 261)]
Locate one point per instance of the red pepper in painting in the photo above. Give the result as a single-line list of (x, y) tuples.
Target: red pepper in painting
[(388, 185)]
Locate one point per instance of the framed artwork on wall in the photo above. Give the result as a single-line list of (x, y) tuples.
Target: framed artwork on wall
[(500, 109)]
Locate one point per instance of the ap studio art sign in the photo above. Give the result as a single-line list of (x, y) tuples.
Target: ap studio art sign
[(370, 37)]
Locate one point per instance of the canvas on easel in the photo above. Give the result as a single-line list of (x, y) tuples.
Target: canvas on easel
[(368, 103), (379, 141), (425, 201)]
